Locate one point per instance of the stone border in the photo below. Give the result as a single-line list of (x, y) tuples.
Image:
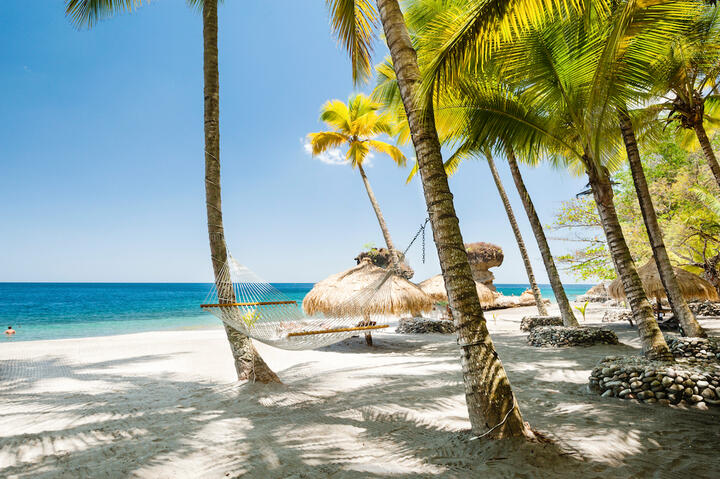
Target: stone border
[(636, 378), (561, 336), (529, 323), (425, 326), (694, 349)]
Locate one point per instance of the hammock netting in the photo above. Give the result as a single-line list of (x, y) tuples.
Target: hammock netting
[(254, 307)]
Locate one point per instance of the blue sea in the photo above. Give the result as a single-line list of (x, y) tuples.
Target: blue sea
[(72, 310)]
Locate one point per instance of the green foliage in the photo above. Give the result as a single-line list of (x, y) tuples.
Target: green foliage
[(684, 194), (251, 318), (582, 309), (355, 125)]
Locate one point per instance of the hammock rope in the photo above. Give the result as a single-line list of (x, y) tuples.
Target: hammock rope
[(251, 305)]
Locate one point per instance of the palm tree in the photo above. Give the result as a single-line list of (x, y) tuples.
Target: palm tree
[(565, 95), (542, 310), (688, 322), (451, 129), (356, 125), (249, 365), (689, 72), (568, 317), (488, 393)]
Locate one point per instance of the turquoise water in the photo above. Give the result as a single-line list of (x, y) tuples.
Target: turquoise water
[(72, 310)]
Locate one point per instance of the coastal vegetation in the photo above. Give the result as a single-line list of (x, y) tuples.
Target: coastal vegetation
[(580, 86)]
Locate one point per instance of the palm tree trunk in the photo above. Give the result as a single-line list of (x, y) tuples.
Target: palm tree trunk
[(565, 310), (378, 213), (491, 404), (707, 150), (651, 338), (542, 310), (248, 363), (677, 302)]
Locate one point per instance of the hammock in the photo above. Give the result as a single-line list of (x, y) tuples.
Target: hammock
[(257, 309), (247, 303)]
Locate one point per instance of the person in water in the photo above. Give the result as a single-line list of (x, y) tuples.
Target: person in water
[(9, 331)]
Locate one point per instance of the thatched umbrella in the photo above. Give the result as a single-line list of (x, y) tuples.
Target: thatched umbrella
[(435, 288), (353, 292), (691, 286)]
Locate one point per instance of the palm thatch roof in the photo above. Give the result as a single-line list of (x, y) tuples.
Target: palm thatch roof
[(691, 286), (435, 288), (354, 292)]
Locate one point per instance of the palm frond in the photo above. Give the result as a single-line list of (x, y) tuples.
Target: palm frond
[(353, 23)]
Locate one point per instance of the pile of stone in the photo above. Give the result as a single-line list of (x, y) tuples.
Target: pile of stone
[(425, 326), (650, 382), (704, 308), (694, 349), (531, 322), (597, 294), (613, 316), (558, 336)]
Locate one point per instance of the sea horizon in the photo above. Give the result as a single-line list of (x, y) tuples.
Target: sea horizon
[(61, 310)]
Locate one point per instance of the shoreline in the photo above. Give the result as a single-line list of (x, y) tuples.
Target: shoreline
[(167, 404)]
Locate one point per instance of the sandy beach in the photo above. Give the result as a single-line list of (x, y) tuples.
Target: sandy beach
[(165, 404)]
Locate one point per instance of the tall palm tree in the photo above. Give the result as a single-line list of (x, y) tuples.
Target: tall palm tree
[(542, 310), (686, 318), (356, 125), (566, 98), (249, 365), (492, 407), (566, 312), (689, 73), (451, 129)]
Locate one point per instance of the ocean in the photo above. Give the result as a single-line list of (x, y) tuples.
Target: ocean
[(73, 310)]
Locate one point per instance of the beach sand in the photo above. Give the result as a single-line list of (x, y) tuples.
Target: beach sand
[(165, 405)]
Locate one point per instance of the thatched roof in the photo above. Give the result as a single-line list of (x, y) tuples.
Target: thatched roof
[(484, 255), (435, 288), (692, 286), (349, 293)]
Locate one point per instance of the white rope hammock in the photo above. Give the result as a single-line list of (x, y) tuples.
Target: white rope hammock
[(247, 303), (257, 309)]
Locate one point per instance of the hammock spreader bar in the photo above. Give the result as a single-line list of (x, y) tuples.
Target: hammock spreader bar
[(338, 330)]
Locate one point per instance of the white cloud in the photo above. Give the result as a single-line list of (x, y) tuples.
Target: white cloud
[(333, 156)]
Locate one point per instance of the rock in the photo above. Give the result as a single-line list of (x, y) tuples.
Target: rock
[(381, 257), (701, 405), (558, 336), (624, 393), (708, 393), (704, 308), (696, 398), (613, 316), (607, 393), (531, 322), (667, 381), (424, 326)]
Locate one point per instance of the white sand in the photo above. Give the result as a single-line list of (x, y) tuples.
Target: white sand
[(165, 404)]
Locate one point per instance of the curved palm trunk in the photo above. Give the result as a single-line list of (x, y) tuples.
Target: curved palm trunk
[(542, 310), (491, 404), (565, 310), (707, 150), (378, 213), (651, 338), (677, 302), (248, 363)]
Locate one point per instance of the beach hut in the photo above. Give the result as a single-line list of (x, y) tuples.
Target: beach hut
[(366, 290), (691, 285), (435, 288)]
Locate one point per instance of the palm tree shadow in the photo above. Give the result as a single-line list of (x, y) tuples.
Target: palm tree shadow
[(406, 421)]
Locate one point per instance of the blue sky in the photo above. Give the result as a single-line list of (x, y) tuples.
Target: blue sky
[(101, 152)]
